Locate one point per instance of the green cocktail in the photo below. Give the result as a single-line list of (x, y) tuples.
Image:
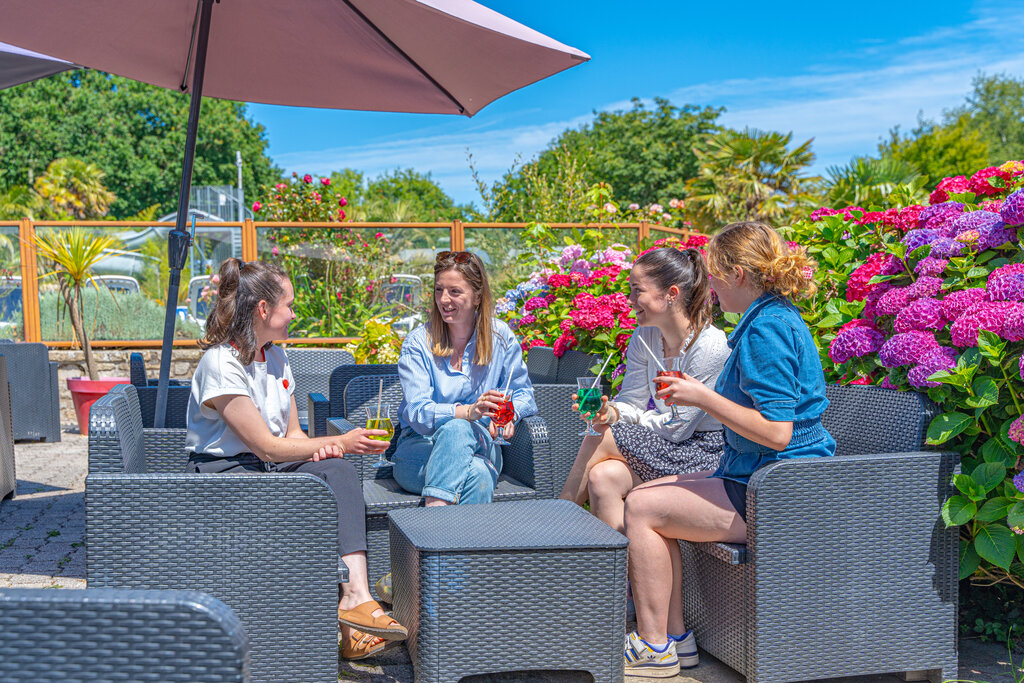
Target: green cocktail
[(589, 400)]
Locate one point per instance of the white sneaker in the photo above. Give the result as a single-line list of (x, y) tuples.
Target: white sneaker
[(686, 650), (642, 662)]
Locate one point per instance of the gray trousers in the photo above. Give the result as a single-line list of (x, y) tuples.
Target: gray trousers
[(340, 475)]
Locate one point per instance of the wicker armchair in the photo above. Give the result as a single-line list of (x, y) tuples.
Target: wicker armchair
[(322, 408), (311, 369), (848, 569), (265, 545), (526, 470), (8, 478), (35, 394), (178, 393), (119, 635)]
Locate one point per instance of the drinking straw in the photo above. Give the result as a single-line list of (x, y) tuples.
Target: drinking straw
[(651, 352), (380, 396), (507, 385), (599, 372)]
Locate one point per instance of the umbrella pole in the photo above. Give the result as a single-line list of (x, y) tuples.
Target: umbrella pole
[(179, 240)]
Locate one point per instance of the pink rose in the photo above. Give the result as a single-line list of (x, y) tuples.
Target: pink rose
[(255, 207), (274, 251), (325, 181), (342, 202), (307, 178)]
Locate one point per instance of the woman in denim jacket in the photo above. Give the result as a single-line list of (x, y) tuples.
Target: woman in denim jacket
[(770, 397)]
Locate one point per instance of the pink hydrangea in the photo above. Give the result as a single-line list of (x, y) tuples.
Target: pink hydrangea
[(947, 186), (1006, 283), (886, 384), (527, 319), (536, 302), (616, 301), (979, 183), (1016, 433), (926, 285), (893, 266), (558, 280), (871, 300), (986, 315), (565, 341), (1012, 210), (854, 342), (858, 285), (565, 325), (931, 266), (940, 359), (1013, 324), (955, 303), (907, 348), (922, 314), (857, 322), (893, 301)]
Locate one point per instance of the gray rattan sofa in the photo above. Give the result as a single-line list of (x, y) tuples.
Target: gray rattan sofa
[(8, 477), (35, 395), (119, 635), (311, 369), (265, 545), (526, 470), (848, 569)]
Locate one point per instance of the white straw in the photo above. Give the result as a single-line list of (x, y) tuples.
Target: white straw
[(507, 385), (650, 352), (380, 395), (601, 371)]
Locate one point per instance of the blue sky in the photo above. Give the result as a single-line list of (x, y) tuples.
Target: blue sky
[(842, 73)]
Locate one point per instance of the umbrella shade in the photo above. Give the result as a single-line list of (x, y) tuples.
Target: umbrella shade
[(429, 56), (19, 66)]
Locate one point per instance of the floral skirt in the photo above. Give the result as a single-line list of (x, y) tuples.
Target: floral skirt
[(650, 456)]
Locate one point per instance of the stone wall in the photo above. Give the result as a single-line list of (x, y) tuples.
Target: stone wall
[(115, 364)]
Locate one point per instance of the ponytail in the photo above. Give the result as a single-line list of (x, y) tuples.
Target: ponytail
[(232, 319), (687, 270)]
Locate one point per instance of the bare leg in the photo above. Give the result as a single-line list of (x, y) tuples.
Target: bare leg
[(357, 590), (656, 514), (609, 482), (593, 450), (435, 502)]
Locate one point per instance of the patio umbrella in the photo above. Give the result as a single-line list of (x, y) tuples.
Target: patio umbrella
[(19, 66), (429, 56)]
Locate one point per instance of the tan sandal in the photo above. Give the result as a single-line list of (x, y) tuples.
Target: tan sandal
[(361, 645), (361, 617)]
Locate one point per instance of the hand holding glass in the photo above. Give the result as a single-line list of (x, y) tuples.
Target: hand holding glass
[(505, 413), (380, 420), (589, 400)]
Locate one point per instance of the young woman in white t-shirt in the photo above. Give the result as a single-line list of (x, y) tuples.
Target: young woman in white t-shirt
[(242, 418), (670, 295)]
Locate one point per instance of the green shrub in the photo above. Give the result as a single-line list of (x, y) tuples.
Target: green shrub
[(109, 315)]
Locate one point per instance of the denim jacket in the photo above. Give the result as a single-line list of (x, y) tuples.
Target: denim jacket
[(774, 367)]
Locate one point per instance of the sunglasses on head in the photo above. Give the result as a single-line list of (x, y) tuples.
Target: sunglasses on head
[(457, 256)]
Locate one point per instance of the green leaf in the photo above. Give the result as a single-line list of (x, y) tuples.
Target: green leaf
[(995, 450), (830, 321), (967, 486), (920, 252), (993, 509), (986, 393), (991, 346), (977, 271), (997, 544), (1015, 517), (988, 475), (969, 559), (953, 378), (958, 510), (944, 427)]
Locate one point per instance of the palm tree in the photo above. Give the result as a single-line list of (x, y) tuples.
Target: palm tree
[(19, 201), (74, 189), (867, 181), (750, 175)]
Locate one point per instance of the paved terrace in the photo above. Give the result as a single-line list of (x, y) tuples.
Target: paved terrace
[(42, 534)]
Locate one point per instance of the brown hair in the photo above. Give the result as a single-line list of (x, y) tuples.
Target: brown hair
[(472, 269), (687, 270), (242, 286), (766, 259)]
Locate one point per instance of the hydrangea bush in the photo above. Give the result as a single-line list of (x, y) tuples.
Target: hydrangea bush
[(579, 300), (931, 299)]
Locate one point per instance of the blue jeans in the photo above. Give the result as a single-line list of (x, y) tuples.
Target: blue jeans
[(459, 463)]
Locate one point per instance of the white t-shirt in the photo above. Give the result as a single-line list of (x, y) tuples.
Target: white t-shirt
[(269, 384)]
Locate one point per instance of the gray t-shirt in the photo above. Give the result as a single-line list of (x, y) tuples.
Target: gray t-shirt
[(269, 384)]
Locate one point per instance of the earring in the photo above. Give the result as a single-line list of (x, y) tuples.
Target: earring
[(670, 302)]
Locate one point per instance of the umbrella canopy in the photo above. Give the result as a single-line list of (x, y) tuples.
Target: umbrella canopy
[(430, 56), (19, 66)]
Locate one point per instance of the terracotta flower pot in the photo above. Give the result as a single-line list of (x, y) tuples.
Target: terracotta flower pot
[(85, 391)]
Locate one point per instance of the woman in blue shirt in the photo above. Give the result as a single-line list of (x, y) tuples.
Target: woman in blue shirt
[(770, 397), (453, 371)]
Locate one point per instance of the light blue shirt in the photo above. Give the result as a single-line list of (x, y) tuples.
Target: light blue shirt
[(432, 387)]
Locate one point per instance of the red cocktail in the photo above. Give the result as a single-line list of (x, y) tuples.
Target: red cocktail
[(504, 414), (666, 373)]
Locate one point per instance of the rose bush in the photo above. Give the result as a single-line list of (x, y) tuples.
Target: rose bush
[(931, 299)]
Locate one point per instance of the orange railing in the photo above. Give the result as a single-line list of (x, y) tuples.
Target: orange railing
[(29, 266)]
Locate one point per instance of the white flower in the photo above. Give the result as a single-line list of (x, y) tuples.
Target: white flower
[(610, 208)]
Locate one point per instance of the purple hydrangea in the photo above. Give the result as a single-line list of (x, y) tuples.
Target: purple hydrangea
[(931, 266), (853, 342), (1018, 480), (907, 348), (925, 286), (1020, 368), (527, 319), (893, 266), (871, 300), (938, 215), (986, 315), (941, 359), (893, 301), (535, 303), (996, 236), (886, 384), (955, 303), (922, 314), (1013, 325), (1012, 210), (918, 238), (1016, 432), (975, 220), (1006, 283), (945, 247)]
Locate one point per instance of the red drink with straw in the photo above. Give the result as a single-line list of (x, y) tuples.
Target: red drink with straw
[(505, 413)]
